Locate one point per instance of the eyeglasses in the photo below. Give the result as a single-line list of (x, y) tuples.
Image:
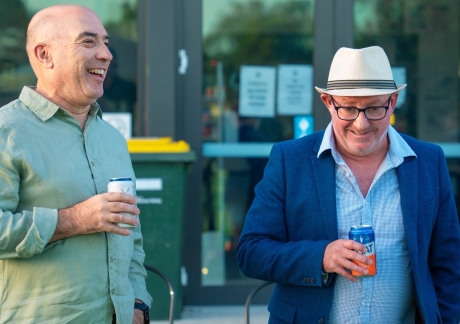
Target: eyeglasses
[(371, 113)]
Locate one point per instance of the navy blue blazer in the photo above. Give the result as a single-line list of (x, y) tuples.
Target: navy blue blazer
[(293, 217)]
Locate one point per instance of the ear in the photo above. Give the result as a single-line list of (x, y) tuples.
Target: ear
[(327, 101), (42, 53), (394, 100)]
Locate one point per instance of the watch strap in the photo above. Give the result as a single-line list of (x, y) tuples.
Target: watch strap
[(145, 309)]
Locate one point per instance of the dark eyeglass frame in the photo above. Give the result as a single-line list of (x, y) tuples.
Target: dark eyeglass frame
[(363, 110)]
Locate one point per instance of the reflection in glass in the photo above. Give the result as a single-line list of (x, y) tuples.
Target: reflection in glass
[(240, 33), (119, 19), (422, 38), (15, 70)]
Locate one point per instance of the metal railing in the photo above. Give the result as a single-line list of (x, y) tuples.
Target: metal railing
[(249, 299), (171, 289)]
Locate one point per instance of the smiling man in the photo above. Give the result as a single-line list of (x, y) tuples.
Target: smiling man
[(359, 171), (63, 258)]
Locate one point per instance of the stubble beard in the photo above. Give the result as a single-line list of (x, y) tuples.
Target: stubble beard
[(367, 150)]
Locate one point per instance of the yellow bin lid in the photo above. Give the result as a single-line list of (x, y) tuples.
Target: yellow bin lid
[(156, 145)]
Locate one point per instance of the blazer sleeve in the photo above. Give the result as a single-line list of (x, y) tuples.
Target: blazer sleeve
[(265, 250), (444, 258)]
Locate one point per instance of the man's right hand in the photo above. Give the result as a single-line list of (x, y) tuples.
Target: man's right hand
[(97, 214), (339, 256)]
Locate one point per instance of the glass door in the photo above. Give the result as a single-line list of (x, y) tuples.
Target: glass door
[(257, 90), (422, 41)]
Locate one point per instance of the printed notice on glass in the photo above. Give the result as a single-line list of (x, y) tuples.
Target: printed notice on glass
[(257, 91), (295, 89), (121, 121)]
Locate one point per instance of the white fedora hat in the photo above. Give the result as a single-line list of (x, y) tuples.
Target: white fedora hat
[(360, 72)]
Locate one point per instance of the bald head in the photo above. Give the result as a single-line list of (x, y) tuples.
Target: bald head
[(49, 24)]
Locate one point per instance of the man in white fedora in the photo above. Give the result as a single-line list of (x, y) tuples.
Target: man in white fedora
[(358, 171)]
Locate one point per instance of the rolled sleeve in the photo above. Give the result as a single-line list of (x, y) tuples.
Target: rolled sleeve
[(39, 234)]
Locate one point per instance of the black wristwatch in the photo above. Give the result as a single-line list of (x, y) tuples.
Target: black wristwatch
[(144, 308)]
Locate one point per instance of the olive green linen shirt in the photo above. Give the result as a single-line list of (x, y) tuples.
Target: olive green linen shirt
[(48, 163)]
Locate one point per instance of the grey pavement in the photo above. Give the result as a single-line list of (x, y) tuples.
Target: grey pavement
[(220, 315)]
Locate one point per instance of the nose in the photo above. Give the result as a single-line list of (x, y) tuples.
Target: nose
[(104, 53), (361, 122)]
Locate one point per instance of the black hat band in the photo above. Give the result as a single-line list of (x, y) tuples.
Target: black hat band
[(357, 84)]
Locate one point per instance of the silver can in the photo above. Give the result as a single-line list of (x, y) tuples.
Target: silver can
[(126, 185)]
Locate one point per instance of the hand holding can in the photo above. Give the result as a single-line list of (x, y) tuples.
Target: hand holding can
[(126, 185)]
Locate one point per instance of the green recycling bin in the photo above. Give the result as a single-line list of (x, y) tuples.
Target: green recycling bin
[(161, 168)]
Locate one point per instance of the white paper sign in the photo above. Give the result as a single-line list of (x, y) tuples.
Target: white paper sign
[(147, 184), (121, 121), (257, 91), (295, 89)]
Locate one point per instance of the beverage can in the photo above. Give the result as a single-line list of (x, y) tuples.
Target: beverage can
[(364, 234), (126, 185)]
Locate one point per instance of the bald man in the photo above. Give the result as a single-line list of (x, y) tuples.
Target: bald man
[(63, 257)]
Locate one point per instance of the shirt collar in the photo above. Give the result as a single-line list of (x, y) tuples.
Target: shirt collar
[(45, 109), (398, 146), (328, 141)]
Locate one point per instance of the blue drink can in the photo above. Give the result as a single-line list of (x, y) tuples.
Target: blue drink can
[(364, 234)]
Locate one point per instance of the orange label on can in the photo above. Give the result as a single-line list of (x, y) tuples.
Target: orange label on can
[(371, 268)]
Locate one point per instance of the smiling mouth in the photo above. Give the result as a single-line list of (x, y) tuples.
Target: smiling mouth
[(99, 72)]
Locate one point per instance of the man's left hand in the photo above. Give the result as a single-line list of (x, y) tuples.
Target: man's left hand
[(138, 317)]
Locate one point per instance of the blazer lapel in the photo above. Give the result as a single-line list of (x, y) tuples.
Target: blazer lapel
[(408, 188), (324, 173)]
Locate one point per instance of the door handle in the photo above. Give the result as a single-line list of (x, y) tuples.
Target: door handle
[(183, 57)]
